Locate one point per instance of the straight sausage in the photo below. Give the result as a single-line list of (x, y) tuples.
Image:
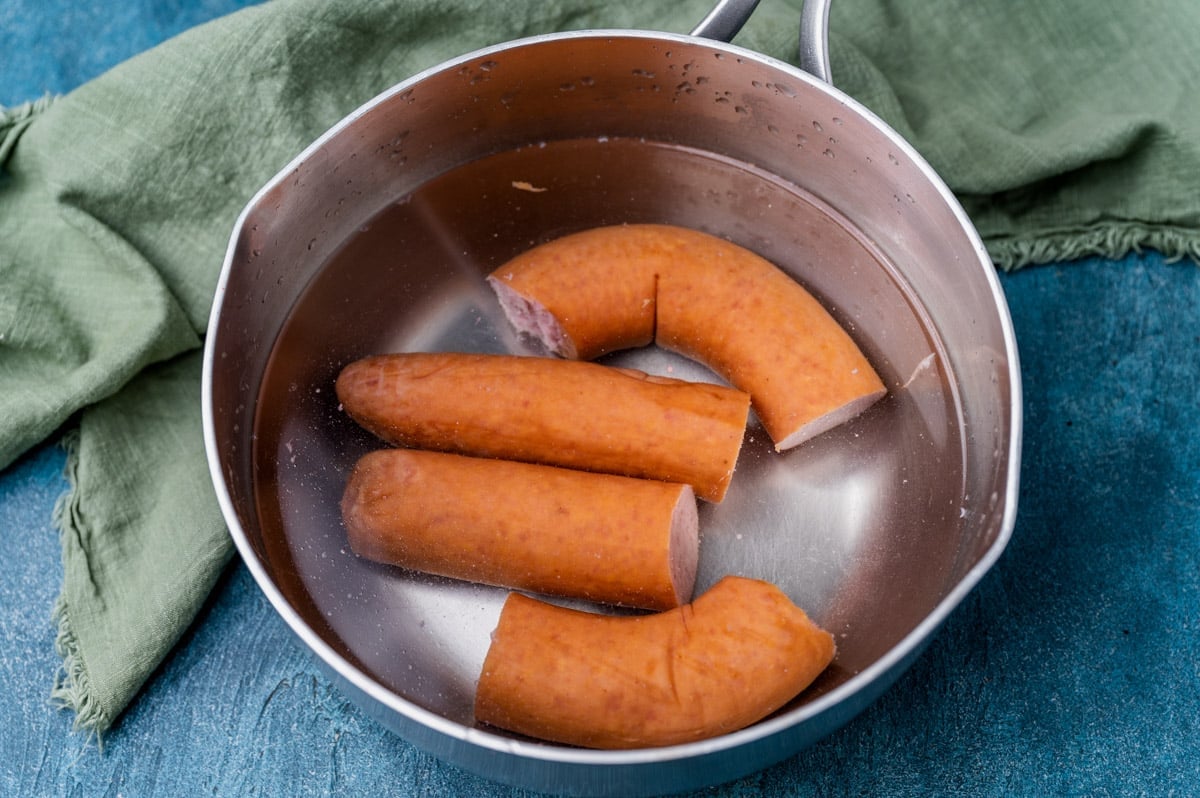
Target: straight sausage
[(558, 531), (737, 653), (572, 414), (718, 303)]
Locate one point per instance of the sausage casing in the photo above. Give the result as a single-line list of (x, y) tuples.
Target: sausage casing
[(572, 414), (588, 293), (737, 653), (600, 537)]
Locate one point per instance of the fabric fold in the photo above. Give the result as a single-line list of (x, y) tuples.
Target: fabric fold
[(143, 542), (73, 686), (14, 121)]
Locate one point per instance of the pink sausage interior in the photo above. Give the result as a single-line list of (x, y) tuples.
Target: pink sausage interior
[(684, 550), (531, 318)]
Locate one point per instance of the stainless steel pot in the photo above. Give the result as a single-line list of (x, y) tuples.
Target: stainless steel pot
[(376, 238)]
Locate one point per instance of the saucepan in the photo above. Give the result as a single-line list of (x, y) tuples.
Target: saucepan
[(377, 238)]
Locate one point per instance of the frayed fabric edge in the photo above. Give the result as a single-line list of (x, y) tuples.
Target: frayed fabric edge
[(72, 688), (11, 115), (1112, 241)]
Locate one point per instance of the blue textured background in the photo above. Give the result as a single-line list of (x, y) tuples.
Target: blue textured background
[(1074, 668)]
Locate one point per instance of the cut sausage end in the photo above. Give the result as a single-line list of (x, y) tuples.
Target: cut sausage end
[(532, 320), (835, 418), (684, 547)]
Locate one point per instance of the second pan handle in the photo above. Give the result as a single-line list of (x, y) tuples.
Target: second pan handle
[(814, 39)]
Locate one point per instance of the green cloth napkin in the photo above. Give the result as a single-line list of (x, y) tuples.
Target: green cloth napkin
[(1067, 128)]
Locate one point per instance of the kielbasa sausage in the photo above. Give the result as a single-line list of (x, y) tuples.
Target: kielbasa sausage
[(617, 287), (737, 653), (572, 414), (599, 537)]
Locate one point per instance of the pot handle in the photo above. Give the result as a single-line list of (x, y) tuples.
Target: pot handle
[(814, 39), (728, 17)]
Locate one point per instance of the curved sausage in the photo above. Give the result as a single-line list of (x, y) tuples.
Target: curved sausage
[(567, 413), (737, 653), (599, 537), (590, 293)]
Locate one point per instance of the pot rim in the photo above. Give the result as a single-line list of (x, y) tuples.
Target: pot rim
[(877, 672)]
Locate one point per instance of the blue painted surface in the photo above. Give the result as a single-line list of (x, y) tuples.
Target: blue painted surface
[(52, 46), (1074, 668)]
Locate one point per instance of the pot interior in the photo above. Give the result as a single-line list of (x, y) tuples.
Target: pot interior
[(378, 237)]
